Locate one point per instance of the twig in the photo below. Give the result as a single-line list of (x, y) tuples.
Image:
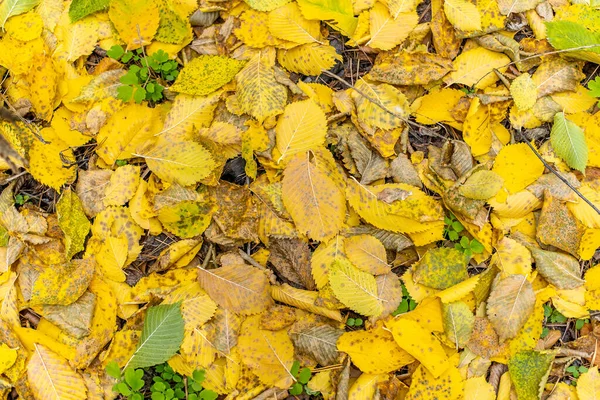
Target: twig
[(573, 353), (558, 175), (549, 53), (372, 100), (208, 255), (248, 258)]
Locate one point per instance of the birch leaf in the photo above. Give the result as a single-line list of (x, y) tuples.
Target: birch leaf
[(269, 354), (312, 197), (568, 141), (463, 14), (301, 127), (51, 377), (458, 322), (510, 304), (561, 270), (205, 74), (355, 288), (239, 288), (73, 222)]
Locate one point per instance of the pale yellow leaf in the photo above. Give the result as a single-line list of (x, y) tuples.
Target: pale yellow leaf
[(51, 377)]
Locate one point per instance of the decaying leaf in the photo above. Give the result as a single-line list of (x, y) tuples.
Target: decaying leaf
[(240, 288), (515, 295)]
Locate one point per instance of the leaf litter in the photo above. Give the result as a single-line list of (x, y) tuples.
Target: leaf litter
[(400, 197)]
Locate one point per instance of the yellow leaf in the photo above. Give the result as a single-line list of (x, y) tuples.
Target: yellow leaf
[(473, 68), (437, 107), (427, 385), (205, 74), (355, 288), (46, 164), (269, 354), (582, 211), (122, 186), (463, 14), (308, 59), (188, 114), (50, 376), (287, 23), (112, 258), (184, 162), (372, 114), (479, 389), (338, 13), (518, 166), (523, 91), (76, 39), (43, 83), (254, 30), (239, 288), (62, 284), (458, 322), (482, 185), (187, 218), (174, 26), (366, 201), (365, 387), (8, 357), (590, 242), (25, 27), (301, 127), (421, 344), (313, 194), (161, 285), (126, 131), (512, 257), (136, 21), (303, 299), (258, 93), (374, 351), (72, 222), (322, 257), (588, 384), (574, 102), (266, 5), (387, 31), (367, 253)]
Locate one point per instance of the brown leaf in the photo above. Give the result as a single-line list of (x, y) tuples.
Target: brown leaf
[(318, 342), (239, 288), (558, 227), (291, 258), (90, 189), (406, 68), (510, 304)]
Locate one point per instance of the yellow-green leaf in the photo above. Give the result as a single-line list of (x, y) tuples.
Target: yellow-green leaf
[(183, 162), (205, 74), (258, 92), (73, 222), (355, 288)]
